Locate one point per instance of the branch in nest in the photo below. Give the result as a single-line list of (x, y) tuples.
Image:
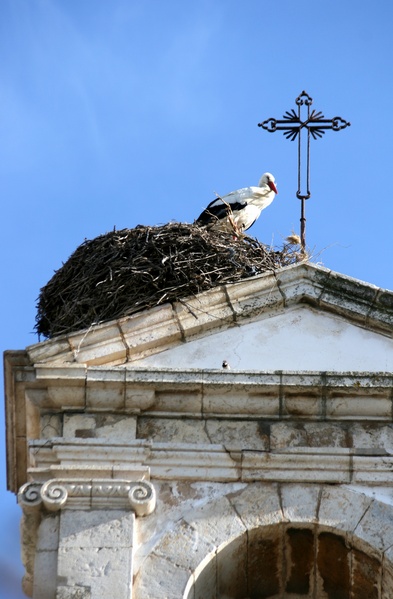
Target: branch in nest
[(123, 272)]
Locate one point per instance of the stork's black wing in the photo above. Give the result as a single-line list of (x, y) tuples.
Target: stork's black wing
[(217, 210)]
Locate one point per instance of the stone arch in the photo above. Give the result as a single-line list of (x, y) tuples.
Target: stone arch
[(278, 541), (285, 561)]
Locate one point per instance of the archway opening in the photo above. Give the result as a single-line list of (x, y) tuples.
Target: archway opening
[(290, 562)]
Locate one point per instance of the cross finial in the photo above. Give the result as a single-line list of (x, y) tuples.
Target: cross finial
[(292, 124)]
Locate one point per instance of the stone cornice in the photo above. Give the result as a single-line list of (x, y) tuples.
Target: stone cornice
[(213, 393), (152, 331), (51, 388), (218, 463)]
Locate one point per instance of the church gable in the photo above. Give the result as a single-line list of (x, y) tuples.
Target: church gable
[(272, 321), (297, 339)]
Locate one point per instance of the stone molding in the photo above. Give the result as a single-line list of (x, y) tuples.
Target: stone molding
[(158, 329), (191, 393), (130, 390), (56, 494), (214, 462)]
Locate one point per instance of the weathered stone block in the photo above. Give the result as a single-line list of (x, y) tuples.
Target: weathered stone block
[(244, 434), (302, 405), (307, 434), (216, 521), (300, 502), (107, 571), (178, 402), (376, 526), (51, 426), (224, 401), (175, 430), (48, 533), (102, 344), (253, 296), (139, 400), (266, 502), (97, 528), (184, 546), (45, 571), (150, 331), (73, 592), (341, 509), (369, 407), (169, 579), (74, 424), (304, 466), (103, 426), (373, 434)]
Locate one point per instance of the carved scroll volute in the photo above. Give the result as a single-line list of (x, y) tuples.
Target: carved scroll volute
[(54, 495), (29, 496), (142, 497)]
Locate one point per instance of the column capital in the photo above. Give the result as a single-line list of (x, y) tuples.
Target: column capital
[(58, 493)]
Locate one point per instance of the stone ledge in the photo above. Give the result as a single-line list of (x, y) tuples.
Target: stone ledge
[(216, 393), (135, 337), (207, 462)]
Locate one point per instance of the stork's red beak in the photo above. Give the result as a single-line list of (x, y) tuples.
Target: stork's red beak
[(272, 186)]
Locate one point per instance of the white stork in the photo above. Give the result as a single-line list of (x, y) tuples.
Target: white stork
[(238, 211)]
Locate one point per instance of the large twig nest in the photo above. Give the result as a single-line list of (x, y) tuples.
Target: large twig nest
[(123, 272)]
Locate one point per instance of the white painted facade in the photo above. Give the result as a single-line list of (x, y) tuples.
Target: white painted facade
[(298, 339), (145, 469)]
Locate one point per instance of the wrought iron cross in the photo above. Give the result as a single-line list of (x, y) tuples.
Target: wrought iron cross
[(292, 124)]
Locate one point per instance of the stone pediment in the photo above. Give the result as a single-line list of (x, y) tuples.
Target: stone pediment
[(299, 339), (303, 317)]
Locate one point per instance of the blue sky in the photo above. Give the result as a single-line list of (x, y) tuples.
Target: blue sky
[(126, 112)]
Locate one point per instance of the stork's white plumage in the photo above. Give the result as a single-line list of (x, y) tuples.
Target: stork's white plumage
[(239, 210)]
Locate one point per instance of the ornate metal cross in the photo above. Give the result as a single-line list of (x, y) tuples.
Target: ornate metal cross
[(292, 124)]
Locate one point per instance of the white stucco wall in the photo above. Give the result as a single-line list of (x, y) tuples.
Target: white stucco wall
[(297, 339)]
